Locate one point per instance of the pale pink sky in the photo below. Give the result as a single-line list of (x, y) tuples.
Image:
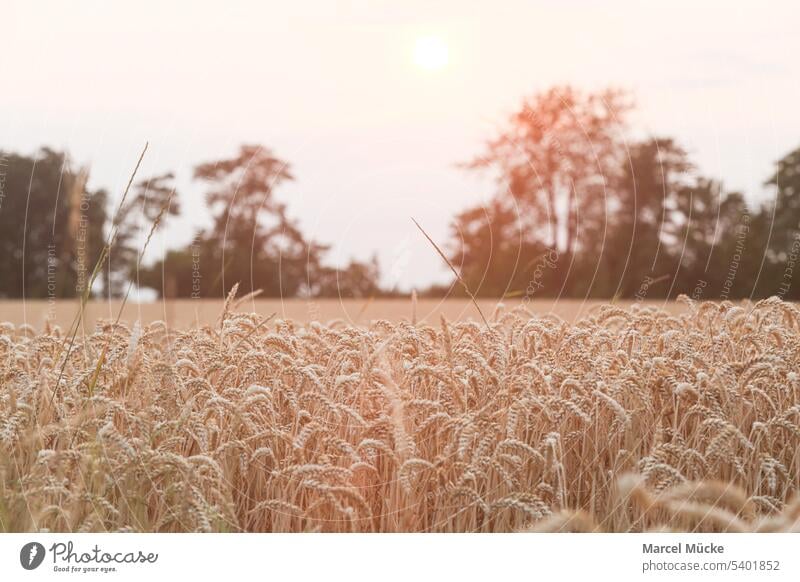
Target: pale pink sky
[(332, 87)]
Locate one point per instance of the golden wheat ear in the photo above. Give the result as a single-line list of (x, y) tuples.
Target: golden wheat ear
[(77, 322)]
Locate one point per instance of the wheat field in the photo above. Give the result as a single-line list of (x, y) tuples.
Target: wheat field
[(631, 419)]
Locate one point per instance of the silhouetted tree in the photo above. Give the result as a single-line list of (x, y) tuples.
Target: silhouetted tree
[(252, 241), (786, 183), (354, 281), (153, 201), (554, 158), (51, 226), (493, 253), (554, 163), (642, 231), (580, 212)]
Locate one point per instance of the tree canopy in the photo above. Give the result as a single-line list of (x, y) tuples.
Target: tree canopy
[(51, 226), (581, 208)]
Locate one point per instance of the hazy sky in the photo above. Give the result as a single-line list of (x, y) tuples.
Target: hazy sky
[(372, 137)]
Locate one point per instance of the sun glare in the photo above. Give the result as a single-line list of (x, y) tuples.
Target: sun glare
[(430, 53)]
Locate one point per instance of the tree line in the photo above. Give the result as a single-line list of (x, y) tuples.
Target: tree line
[(53, 229), (581, 209)]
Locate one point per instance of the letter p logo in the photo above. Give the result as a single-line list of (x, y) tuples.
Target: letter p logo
[(31, 555)]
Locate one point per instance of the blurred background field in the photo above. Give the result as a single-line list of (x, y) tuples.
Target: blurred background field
[(183, 313)]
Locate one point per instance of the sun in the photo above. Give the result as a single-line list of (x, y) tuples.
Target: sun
[(430, 53)]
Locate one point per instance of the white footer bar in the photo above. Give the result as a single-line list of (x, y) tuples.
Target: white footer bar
[(402, 557)]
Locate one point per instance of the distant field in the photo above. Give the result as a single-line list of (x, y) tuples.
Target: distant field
[(631, 420), (189, 312)]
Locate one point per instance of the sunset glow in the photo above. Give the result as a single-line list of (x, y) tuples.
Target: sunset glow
[(431, 53)]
